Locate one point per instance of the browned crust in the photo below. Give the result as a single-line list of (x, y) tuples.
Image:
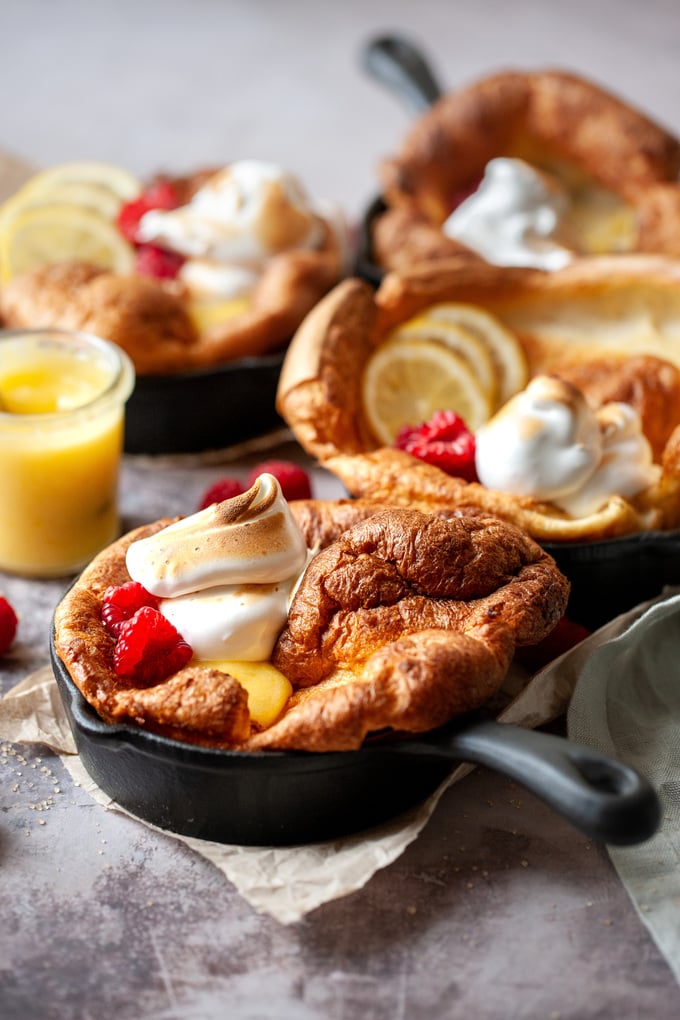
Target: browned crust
[(541, 116), (402, 621), (323, 405)]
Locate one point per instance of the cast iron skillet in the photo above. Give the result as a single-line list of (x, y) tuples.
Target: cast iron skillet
[(279, 799), (611, 576), (206, 409)]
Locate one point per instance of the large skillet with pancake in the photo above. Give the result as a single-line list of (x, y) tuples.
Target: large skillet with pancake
[(609, 323)]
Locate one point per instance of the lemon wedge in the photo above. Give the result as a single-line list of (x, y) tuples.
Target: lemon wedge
[(405, 381), (59, 232), (505, 350), (268, 689), (460, 340)]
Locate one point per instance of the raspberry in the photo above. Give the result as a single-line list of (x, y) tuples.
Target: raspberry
[(8, 625), (160, 195), (445, 442), (149, 648), (157, 262), (122, 602), (293, 479), (223, 488)]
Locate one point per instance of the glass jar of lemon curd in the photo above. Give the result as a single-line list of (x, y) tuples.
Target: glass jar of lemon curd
[(62, 404)]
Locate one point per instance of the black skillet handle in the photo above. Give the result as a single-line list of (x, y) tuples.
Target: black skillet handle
[(606, 799), (398, 64)]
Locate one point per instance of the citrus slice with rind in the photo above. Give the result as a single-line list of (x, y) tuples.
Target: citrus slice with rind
[(405, 381), (503, 346), (58, 232), (93, 196), (461, 341), (120, 182)]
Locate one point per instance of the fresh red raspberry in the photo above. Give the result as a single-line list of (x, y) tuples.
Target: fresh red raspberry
[(8, 625), (122, 602), (565, 635), (444, 441), (149, 648), (157, 262), (292, 478), (160, 195), (224, 488)]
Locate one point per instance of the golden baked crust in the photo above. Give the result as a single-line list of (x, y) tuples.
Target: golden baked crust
[(403, 621), (611, 323), (149, 318), (553, 120)]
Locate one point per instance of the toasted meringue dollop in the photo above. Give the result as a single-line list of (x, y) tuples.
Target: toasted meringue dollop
[(238, 621), (226, 574), (250, 539), (513, 217), (243, 215), (547, 443)]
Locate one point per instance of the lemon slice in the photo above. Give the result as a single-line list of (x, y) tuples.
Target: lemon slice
[(115, 179), (97, 197), (458, 339), (503, 346), (405, 381), (59, 232)]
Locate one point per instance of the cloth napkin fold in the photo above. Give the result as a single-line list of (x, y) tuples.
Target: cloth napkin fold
[(626, 703)]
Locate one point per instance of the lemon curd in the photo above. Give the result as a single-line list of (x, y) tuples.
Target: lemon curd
[(268, 689), (62, 398)]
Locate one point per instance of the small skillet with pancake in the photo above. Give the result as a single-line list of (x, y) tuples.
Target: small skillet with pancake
[(382, 646)]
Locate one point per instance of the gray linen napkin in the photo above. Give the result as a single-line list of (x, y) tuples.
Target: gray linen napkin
[(627, 703)]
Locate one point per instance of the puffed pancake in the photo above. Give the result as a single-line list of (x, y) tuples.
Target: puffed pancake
[(164, 324), (616, 167), (610, 324), (402, 622)]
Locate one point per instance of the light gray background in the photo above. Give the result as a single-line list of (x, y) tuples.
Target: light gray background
[(173, 84)]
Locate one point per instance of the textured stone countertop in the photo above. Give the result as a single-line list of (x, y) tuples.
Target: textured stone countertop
[(500, 909)]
